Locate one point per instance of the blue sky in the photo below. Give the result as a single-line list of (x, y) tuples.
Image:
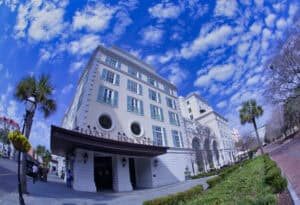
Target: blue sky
[(218, 49)]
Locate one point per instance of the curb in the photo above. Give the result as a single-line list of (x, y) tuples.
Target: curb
[(294, 196)]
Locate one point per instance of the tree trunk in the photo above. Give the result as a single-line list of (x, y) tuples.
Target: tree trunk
[(257, 137), (28, 124)]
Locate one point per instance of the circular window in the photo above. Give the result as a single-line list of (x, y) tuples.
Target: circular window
[(135, 128), (105, 121)]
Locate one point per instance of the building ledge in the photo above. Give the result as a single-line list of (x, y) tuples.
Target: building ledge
[(64, 141)]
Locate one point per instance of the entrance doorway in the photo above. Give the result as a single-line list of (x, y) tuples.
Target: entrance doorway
[(103, 173), (132, 172)]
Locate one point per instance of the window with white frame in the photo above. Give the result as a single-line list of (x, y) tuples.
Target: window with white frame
[(134, 72), (157, 135), (156, 113), (171, 103), (155, 96), (135, 105), (173, 117), (134, 87), (113, 62), (110, 77), (107, 96), (176, 138), (152, 81)]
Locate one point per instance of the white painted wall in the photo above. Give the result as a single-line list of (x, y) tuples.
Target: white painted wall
[(121, 176), (171, 166), (83, 172)]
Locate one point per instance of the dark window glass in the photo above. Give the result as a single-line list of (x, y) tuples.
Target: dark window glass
[(105, 121), (135, 128)]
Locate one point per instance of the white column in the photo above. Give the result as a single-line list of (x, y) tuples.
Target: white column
[(121, 175), (83, 171)]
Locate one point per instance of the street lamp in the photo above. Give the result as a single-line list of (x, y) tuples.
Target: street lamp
[(30, 106)]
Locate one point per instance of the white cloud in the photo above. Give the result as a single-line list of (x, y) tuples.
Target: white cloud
[(217, 73), (202, 43), (76, 66), (222, 104), (42, 20), (168, 56), (11, 4), (176, 75), (269, 20), (93, 18), (281, 24), (151, 34), (165, 10), (253, 80), (226, 8), (67, 88), (256, 27), (213, 89), (243, 48), (86, 44)]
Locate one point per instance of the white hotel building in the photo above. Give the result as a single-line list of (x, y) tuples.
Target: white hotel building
[(125, 130)]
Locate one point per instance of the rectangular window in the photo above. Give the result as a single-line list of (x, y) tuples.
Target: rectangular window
[(157, 135), (110, 77), (171, 103), (156, 113), (134, 87), (173, 117), (112, 62), (153, 95), (107, 96), (152, 81), (134, 105), (176, 138), (134, 72)]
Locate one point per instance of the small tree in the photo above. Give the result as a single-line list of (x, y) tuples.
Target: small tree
[(248, 113)]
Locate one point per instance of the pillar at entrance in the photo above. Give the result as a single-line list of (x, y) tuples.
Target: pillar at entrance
[(121, 175), (83, 171)]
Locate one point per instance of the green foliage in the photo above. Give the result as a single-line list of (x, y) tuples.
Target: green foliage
[(249, 111), (41, 88), (176, 199), (213, 181), (241, 184), (19, 141), (273, 175), (44, 153), (269, 199)]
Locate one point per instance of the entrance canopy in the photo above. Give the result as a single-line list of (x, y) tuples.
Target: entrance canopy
[(64, 140)]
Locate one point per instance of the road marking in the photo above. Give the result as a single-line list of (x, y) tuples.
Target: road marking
[(6, 174)]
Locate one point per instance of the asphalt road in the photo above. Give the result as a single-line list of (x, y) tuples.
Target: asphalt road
[(8, 180)]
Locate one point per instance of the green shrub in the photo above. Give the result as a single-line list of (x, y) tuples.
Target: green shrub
[(271, 174), (213, 181), (269, 199), (279, 184), (176, 199)]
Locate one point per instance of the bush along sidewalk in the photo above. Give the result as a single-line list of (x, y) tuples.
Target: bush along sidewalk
[(178, 198), (273, 176), (223, 173)]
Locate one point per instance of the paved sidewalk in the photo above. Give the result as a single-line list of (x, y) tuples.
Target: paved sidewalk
[(55, 192)]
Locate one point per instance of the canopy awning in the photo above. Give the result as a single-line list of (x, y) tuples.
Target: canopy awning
[(64, 140)]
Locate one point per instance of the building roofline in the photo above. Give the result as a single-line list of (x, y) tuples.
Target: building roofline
[(212, 112), (197, 96), (137, 62)]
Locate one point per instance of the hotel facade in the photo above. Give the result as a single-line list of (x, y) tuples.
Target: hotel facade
[(127, 129)]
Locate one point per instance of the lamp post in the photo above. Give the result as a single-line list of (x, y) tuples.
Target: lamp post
[(30, 106)]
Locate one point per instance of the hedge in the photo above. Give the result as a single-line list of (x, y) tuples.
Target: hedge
[(176, 199), (273, 176), (213, 181)]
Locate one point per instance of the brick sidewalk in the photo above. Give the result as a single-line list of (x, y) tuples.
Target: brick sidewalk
[(288, 158)]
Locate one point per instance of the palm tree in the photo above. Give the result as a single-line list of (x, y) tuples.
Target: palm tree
[(248, 113), (42, 90), (40, 150)]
